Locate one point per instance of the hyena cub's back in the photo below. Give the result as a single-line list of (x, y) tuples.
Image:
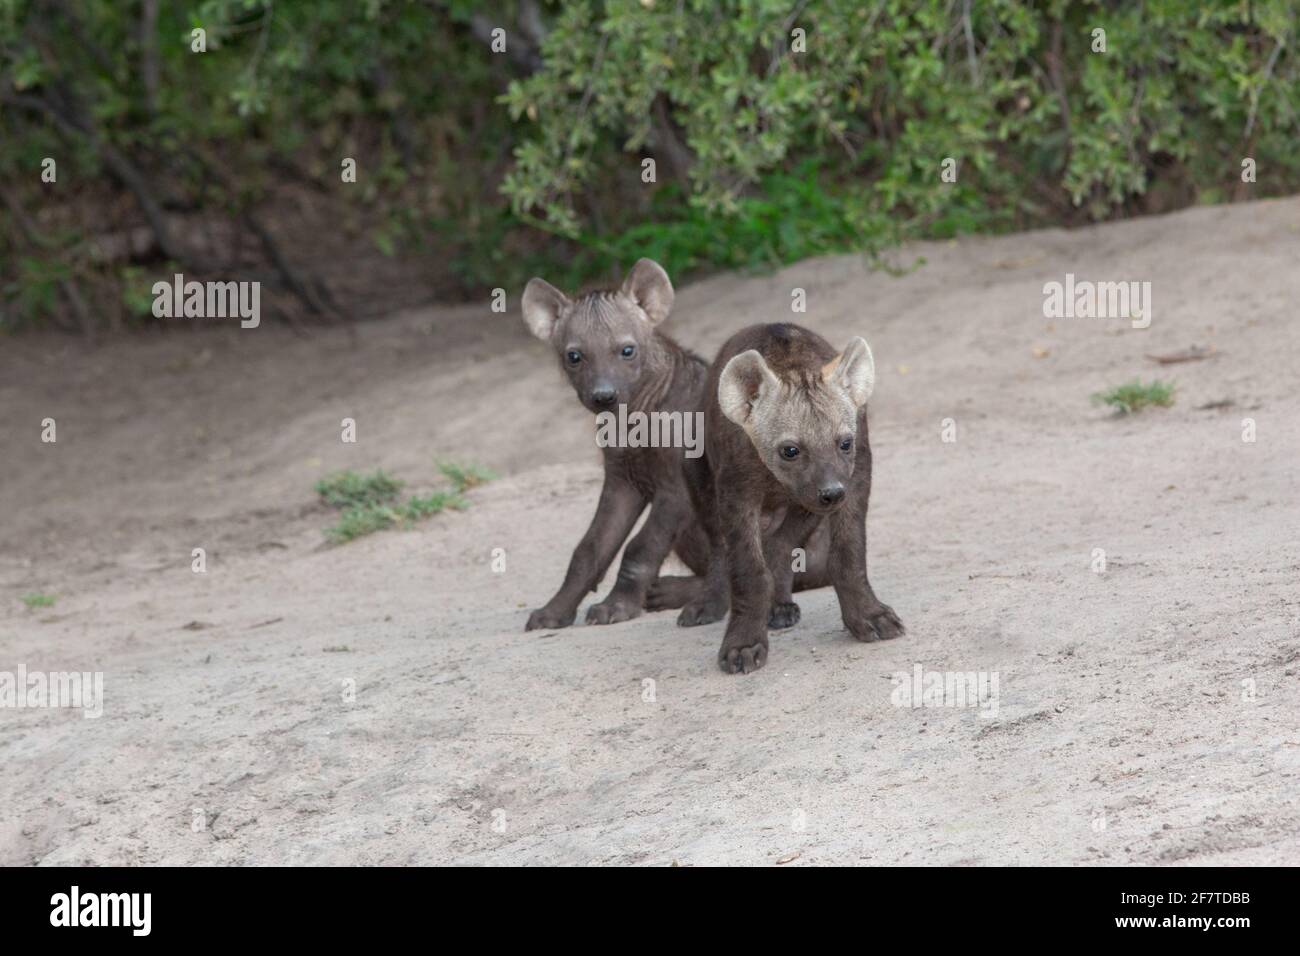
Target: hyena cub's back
[(619, 363)]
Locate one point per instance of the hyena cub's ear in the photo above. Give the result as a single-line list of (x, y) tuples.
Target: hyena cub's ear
[(543, 304), (746, 380), (853, 370), (649, 287)]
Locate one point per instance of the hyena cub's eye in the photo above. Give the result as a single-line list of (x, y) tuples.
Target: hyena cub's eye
[(846, 444), (573, 356), (789, 452), (629, 351)]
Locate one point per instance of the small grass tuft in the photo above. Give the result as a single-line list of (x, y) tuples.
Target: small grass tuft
[(464, 477), (369, 502), (419, 507), (347, 489), (38, 600), (361, 520), (1134, 396)]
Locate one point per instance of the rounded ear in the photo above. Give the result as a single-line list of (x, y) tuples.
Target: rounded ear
[(854, 370), (746, 380), (649, 287), (543, 304)]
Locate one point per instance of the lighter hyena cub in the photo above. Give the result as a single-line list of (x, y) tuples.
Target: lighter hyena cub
[(786, 462), (609, 347)]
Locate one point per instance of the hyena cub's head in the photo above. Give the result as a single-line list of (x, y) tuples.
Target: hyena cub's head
[(606, 340), (804, 429)]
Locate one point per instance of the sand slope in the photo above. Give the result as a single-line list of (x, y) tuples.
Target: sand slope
[(1124, 734)]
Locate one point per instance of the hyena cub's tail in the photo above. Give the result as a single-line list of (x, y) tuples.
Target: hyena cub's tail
[(671, 591)]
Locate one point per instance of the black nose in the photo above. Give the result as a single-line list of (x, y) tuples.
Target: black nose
[(831, 494), (603, 396)]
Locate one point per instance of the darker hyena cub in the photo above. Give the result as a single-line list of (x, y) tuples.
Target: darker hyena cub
[(787, 461), (608, 345)]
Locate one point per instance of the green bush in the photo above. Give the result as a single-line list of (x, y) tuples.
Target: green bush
[(1037, 121), (531, 160)]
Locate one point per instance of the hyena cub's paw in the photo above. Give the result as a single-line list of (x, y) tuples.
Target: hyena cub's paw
[(784, 614), (705, 609), (881, 624), (544, 617), (742, 654), (613, 609)]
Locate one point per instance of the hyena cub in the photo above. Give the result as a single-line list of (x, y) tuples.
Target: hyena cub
[(608, 345), (786, 459)]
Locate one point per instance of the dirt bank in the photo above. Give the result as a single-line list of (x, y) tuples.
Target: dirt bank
[(380, 702)]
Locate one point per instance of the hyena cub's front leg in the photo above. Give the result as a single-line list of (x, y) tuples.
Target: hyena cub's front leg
[(620, 506), (779, 549), (744, 645), (707, 601), (642, 559), (864, 615)]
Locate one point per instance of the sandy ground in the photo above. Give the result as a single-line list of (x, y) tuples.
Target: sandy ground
[(379, 702)]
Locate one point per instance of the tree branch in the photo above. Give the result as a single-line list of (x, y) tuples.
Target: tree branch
[(149, 55), (118, 165)]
